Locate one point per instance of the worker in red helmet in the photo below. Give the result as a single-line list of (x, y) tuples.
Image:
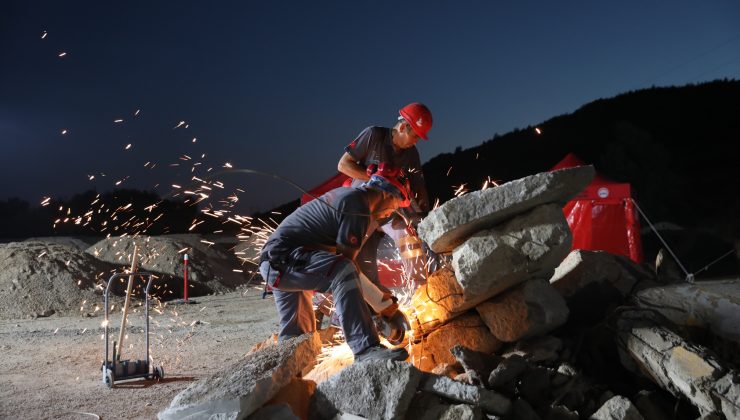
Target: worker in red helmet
[(395, 147)]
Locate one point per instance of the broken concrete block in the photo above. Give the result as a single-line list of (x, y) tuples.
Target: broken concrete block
[(274, 412), (458, 219), (560, 412), (727, 390), (425, 405), (714, 305), (489, 401), (437, 301), (592, 281), (477, 365), (521, 410), (538, 349), (617, 408), (297, 395), (461, 412), (531, 309), (528, 246), (681, 368), (242, 388), (467, 330), (534, 386), (375, 389), (507, 371), (653, 405)]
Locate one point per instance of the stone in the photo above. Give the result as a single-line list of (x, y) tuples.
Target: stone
[(534, 386), (653, 405), (446, 369), (727, 388), (461, 412), (477, 365), (713, 305), (468, 330), (543, 349), (380, 389), (680, 367), (437, 301), (507, 371), (531, 309), (240, 389), (593, 281), (458, 219), (297, 395), (425, 405), (521, 410), (490, 401), (526, 247), (617, 408), (274, 412), (559, 412)]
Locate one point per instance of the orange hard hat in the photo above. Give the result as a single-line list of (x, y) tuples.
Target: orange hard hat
[(419, 117)]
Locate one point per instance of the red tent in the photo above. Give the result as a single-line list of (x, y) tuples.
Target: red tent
[(603, 217)]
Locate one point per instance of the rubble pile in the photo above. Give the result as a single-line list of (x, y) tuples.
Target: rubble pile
[(515, 326), (67, 276), (210, 268)]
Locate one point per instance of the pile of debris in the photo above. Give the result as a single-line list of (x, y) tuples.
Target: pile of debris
[(67, 276), (513, 327)]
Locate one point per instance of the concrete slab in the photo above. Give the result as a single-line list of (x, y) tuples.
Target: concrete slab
[(240, 389), (458, 219), (531, 309)]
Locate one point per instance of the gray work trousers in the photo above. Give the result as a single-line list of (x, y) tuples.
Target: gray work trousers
[(323, 272)]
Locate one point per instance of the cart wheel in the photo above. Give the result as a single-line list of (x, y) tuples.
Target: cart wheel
[(158, 372), (109, 378)]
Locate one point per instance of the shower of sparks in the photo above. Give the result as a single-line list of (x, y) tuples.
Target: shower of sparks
[(195, 139), (227, 165), (64, 131), (537, 130), (136, 114), (43, 36), (448, 171), (120, 120), (180, 124), (460, 190), (45, 201), (128, 146), (62, 54)]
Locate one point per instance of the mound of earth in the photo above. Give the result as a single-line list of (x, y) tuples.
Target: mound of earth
[(211, 269), (79, 242), (40, 279)]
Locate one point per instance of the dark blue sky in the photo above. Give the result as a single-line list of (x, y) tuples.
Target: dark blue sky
[(283, 86)]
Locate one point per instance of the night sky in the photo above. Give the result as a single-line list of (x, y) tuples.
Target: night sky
[(283, 86)]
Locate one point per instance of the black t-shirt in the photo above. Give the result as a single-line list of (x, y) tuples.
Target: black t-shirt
[(315, 225), (375, 145)]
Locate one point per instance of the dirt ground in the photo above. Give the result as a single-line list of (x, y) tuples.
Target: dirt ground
[(50, 367)]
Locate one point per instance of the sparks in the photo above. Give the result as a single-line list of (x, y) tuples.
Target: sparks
[(128, 146), (180, 124), (45, 201), (136, 114), (537, 130), (120, 120), (64, 131), (62, 54), (195, 139), (227, 165), (43, 36)]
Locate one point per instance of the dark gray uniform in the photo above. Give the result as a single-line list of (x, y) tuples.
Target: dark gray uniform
[(375, 145), (304, 255), (371, 147)]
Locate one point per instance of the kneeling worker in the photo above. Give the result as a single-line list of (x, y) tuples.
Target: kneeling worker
[(315, 249)]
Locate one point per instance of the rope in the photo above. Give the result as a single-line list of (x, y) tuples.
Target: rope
[(689, 276)]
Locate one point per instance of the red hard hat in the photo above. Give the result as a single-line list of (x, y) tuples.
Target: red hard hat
[(419, 117)]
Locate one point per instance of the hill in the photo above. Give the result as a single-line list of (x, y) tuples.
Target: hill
[(677, 146)]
